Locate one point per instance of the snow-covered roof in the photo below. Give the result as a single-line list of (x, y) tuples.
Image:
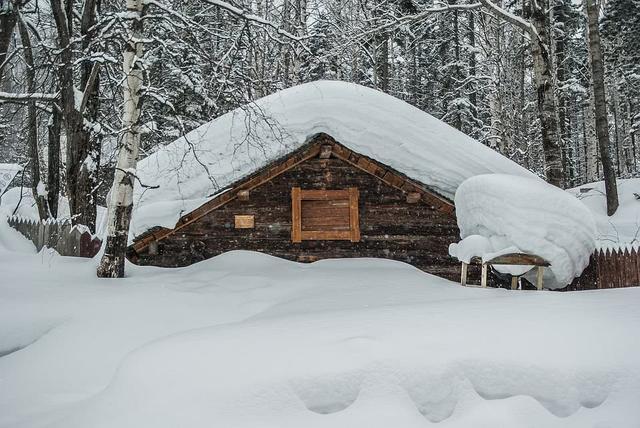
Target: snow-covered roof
[(195, 167)]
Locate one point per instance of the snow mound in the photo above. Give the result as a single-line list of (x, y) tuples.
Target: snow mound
[(622, 228), (246, 340), (517, 214), (7, 173), (195, 167), (19, 201)]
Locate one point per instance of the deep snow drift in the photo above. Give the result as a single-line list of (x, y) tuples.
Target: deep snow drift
[(499, 214), (248, 340), (191, 169), (622, 228), (26, 207)]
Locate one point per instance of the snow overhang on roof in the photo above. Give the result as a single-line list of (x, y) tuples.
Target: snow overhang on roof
[(194, 168)]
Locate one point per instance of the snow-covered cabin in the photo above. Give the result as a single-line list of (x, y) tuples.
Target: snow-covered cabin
[(322, 170)]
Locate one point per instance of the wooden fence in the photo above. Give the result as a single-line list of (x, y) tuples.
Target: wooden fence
[(66, 239), (610, 268)]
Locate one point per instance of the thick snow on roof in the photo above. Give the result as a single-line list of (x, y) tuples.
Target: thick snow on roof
[(208, 159), (500, 214)]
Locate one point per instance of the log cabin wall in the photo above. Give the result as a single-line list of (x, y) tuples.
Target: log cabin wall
[(390, 227)]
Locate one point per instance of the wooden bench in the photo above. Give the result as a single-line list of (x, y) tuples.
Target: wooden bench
[(518, 259)]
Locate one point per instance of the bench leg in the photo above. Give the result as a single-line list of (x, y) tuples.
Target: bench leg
[(539, 277), (514, 282), (483, 280), (463, 274)]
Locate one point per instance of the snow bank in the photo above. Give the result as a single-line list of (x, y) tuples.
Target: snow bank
[(517, 214), (193, 168), (7, 173), (26, 207), (622, 228), (246, 340)]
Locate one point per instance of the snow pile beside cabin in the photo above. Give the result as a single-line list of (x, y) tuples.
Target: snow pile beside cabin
[(623, 227), (207, 160), (500, 214)]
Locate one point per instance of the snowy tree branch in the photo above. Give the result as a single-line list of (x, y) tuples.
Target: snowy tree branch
[(20, 97), (519, 22)]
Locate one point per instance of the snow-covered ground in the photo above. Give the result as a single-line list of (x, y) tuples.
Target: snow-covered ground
[(247, 340), (624, 226)]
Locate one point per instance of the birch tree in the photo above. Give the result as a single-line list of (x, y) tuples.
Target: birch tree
[(538, 30), (120, 203)]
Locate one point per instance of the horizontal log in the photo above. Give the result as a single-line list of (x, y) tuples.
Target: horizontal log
[(323, 195), (518, 259), (321, 222), (326, 235)]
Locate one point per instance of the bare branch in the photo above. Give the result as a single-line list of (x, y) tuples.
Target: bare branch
[(241, 13), (18, 97), (519, 22)]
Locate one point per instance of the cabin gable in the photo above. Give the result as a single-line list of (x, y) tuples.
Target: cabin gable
[(399, 222)]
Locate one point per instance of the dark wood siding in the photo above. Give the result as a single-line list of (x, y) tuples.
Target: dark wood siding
[(389, 226)]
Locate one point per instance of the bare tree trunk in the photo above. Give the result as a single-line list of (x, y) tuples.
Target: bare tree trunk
[(89, 143), (37, 186), (546, 100), (632, 136), (286, 61), (53, 163), (473, 95), (458, 78), (602, 124), (301, 30), (121, 196), (538, 30), (381, 55), (82, 201), (7, 24), (382, 62), (560, 56), (590, 141)]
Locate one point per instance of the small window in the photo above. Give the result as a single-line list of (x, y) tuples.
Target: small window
[(325, 215)]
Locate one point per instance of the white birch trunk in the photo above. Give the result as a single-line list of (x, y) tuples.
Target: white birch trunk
[(120, 204)]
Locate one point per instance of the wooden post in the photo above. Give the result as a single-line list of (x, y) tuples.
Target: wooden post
[(483, 280), (539, 277), (296, 220), (41, 242), (463, 274), (514, 282), (354, 217)]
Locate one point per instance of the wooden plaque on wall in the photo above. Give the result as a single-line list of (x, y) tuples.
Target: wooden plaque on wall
[(244, 222)]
